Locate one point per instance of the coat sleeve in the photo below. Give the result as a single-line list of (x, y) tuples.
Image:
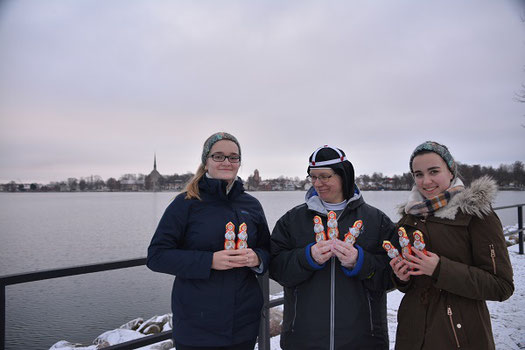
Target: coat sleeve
[(490, 275), (165, 253), (263, 243), (375, 270), (289, 264)]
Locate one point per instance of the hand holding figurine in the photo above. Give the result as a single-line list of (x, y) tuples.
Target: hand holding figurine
[(229, 259), (322, 251), (421, 263), (345, 252), (400, 268)]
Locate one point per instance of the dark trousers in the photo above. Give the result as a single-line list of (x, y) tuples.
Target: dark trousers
[(249, 345)]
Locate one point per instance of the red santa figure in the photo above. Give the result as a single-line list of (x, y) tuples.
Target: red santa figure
[(404, 242), (391, 251), (229, 236), (333, 231), (320, 235), (242, 237), (419, 241), (354, 231)]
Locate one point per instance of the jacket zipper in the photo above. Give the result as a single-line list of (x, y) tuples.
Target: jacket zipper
[(493, 256), (449, 313), (294, 309), (370, 312)]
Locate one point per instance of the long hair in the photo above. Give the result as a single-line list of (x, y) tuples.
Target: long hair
[(192, 188)]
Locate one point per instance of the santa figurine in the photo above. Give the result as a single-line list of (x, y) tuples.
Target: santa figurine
[(404, 242), (229, 236), (333, 231), (242, 237), (353, 232), (391, 251), (320, 235), (419, 241)]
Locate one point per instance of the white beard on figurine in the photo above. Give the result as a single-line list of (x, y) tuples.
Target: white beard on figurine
[(354, 232), (230, 235), (391, 251), (403, 241), (419, 246)]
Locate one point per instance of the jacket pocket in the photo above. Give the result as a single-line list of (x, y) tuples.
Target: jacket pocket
[(290, 310), (455, 326), (294, 317), (370, 312)]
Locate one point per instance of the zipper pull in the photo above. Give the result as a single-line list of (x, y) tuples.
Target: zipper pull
[(492, 252), (493, 256), (449, 311)]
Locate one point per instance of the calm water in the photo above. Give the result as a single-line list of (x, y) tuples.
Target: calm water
[(42, 231)]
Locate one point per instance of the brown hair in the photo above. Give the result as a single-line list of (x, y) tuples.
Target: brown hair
[(192, 188)]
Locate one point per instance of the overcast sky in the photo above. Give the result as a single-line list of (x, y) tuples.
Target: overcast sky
[(96, 87)]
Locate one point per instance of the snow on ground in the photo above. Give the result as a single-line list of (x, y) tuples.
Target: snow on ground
[(508, 320)]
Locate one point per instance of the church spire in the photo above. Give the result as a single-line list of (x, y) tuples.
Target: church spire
[(155, 161)]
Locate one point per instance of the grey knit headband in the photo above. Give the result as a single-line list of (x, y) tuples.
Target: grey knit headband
[(439, 149), (208, 144)]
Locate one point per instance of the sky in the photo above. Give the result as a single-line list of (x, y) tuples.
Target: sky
[(98, 87)]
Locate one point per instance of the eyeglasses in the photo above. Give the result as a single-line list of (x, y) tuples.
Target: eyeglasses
[(217, 157), (323, 178)]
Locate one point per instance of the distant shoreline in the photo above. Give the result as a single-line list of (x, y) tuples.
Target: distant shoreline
[(179, 191)]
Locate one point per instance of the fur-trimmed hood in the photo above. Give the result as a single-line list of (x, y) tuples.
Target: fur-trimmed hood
[(474, 200)]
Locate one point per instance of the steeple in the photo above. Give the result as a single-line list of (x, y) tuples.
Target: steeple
[(155, 161)]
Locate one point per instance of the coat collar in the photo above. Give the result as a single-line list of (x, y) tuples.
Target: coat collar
[(217, 187), (474, 200), (313, 201)]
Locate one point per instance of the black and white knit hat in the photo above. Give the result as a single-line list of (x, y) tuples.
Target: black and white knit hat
[(335, 159)]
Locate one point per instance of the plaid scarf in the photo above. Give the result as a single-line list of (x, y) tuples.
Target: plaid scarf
[(419, 206)]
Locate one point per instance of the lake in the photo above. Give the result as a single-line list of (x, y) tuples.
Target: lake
[(41, 231)]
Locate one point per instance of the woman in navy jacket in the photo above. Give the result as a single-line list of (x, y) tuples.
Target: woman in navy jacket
[(216, 300)]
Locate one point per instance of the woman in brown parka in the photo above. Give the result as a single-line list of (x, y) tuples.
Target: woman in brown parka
[(466, 260)]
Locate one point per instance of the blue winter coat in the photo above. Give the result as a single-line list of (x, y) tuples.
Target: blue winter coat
[(211, 307)]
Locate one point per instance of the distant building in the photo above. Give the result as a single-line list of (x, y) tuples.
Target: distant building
[(154, 179)]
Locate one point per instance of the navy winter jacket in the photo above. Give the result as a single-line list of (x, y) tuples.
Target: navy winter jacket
[(210, 307)]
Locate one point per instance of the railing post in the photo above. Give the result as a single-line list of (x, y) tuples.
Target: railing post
[(264, 328), (2, 316), (520, 228)]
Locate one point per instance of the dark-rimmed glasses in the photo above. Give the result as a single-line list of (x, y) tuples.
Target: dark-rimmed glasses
[(323, 178), (217, 157)]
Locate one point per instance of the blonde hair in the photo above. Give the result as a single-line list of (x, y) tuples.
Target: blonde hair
[(192, 188)]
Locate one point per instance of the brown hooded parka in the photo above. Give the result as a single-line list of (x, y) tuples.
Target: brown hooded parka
[(447, 310)]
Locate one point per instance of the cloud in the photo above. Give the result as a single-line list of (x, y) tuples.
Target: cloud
[(102, 85)]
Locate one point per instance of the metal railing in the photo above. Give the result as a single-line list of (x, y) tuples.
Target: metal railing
[(264, 282)]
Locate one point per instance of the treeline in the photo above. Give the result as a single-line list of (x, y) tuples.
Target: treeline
[(511, 177), (508, 177)]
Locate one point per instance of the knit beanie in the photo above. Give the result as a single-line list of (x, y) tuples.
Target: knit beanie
[(213, 139), (335, 159), (439, 149)]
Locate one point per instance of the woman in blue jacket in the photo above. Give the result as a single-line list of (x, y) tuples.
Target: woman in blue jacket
[(202, 239)]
